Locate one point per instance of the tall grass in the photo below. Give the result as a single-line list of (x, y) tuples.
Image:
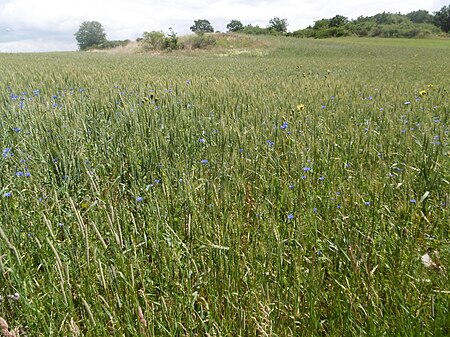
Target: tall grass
[(286, 194)]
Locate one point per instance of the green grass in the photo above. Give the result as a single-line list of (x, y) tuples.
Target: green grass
[(211, 215)]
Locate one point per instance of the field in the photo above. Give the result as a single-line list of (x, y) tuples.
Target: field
[(295, 188)]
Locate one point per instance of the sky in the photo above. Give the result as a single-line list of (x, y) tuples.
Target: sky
[(50, 25)]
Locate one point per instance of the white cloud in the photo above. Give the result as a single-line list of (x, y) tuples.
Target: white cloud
[(50, 24)]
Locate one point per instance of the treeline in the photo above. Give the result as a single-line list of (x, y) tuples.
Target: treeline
[(416, 24)]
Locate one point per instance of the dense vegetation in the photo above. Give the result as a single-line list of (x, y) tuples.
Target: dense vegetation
[(299, 189), (380, 25)]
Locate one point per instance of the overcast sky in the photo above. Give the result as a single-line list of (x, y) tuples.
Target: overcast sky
[(49, 25)]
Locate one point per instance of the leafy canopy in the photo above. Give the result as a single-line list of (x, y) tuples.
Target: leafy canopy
[(90, 33), (235, 26), (202, 26), (442, 18), (278, 25)]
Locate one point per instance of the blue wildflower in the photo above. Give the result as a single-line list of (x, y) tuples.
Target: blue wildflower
[(7, 152), (290, 216), (139, 199), (204, 161), (270, 143), (7, 194)]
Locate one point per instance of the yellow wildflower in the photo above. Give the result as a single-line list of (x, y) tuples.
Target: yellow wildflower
[(300, 107), (422, 93)]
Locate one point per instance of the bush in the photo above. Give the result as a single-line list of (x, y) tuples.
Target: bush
[(203, 41), (156, 40)]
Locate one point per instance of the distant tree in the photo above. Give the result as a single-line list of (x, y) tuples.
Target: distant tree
[(278, 25), (420, 16), (235, 26), (442, 18), (90, 33), (321, 24), (338, 21), (202, 26)]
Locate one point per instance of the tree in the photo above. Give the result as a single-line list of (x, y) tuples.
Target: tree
[(90, 33), (442, 18), (235, 26), (420, 16), (338, 21), (278, 25), (202, 26)]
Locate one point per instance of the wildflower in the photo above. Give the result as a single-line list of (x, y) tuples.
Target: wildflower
[(315, 209), (139, 199), (430, 86), (422, 93), (407, 103), (300, 107), (412, 201), (19, 174), (323, 106), (321, 178), (7, 194), (7, 152), (60, 224), (284, 126), (291, 187), (306, 169), (188, 82), (204, 161), (367, 203), (16, 129), (202, 140), (270, 143), (290, 216)]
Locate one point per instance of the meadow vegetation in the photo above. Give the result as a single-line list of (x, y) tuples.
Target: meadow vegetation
[(300, 189)]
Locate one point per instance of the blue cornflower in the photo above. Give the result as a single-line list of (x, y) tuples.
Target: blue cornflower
[(284, 126), (188, 82), (412, 201), (204, 161), (321, 178), (19, 173), (270, 143), (139, 199), (202, 140), (367, 203), (7, 194), (290, 216), (7, 152), (306, 169), (16, 129), (407, 103)]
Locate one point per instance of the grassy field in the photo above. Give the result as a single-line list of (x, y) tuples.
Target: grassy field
[(296, 188)]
